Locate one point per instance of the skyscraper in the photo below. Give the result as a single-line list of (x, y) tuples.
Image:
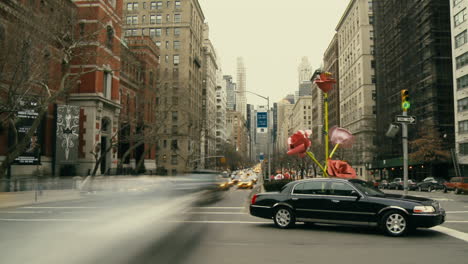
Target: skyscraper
[(304, 70), (241, 99), (231, 92)]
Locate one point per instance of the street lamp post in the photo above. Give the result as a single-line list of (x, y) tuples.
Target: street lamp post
[(268, 126)]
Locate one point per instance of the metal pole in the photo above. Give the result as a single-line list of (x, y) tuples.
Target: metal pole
[(269, 139), (404, 137), (325, 97)]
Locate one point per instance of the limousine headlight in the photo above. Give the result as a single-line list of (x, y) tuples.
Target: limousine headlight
[(424, 209)]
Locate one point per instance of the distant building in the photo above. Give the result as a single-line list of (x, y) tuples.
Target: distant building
[(241, 99), (231, 92), (302, 114), (330, 64), (304, 70)]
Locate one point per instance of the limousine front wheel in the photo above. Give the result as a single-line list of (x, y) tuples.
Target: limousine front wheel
[(394, 223), (284, 217)]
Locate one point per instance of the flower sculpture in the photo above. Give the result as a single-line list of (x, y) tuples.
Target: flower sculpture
[(340, 169), (325, 82), (299, 143)]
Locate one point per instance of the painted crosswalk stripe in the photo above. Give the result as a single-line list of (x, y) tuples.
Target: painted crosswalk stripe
[(451, 232), (43, 220), (456, 212), (220, 213), (62, 207)]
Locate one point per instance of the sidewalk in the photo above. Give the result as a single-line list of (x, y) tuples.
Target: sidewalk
[(13, 199)]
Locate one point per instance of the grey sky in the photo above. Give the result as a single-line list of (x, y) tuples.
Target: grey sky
[(272, 36)]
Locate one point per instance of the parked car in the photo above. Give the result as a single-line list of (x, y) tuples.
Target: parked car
[(396, 184), (412, 185), (348, 202), (457, 184), (383, 184), (431, 183)]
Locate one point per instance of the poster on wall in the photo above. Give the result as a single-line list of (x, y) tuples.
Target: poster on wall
[(25, 119), (68, 124)]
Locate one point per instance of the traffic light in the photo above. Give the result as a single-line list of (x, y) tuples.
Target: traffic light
[(405, 104)]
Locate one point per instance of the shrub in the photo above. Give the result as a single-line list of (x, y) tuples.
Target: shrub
[(275, 185)]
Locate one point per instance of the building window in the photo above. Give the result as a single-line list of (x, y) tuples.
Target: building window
[(176, 44), (176, 59), (463, 148), (134, 32), (158, 19), (158, 32), (130, 6), (168, 18), (175, 100), (143, 19), (166, 59), (167, 44), (460, 39), (177, 18), (462, 60), (371, 20), (153, 19), (144, 5), (174, 159), (110, 37), (128, 32), (135, 6), (462, 104), (176, 31), (135, 20), (168, 31), (107, 85), (153, 33), (158, 43), (460, 17), (177, 4), (174, 145), (153, 5), (175, 116), (462, 82), (463, 126), (129, 20), (159, 5)]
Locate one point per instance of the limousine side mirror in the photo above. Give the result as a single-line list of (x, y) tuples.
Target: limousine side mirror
[(355, 194)]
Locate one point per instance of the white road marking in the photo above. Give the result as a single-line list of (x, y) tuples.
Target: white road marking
[(456, 212), (443, 199), (24, 212), (220, 213), (456, 221), (208, 207), (43, 220), (452, 232), (62, 207), (224, 222)]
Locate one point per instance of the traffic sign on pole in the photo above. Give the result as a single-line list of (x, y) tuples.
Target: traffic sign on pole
[(406, 119)]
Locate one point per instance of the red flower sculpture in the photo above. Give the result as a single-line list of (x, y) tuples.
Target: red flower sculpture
[(299, 143), (340, 169), (325, 82), (341, 136)]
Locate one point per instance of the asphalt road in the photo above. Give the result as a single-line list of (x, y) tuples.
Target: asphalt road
[(162, 227), (233, 236)]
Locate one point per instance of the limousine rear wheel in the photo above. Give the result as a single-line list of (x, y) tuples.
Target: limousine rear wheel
[(284, 217), (394, 223)]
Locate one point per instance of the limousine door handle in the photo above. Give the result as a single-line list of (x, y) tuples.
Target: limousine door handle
[(335, 201)]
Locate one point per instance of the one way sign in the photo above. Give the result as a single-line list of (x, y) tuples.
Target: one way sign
[(406, 119)]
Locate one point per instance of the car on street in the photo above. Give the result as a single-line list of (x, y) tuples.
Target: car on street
[(245, 184), (412, 185), (457, 184), (348, 202), (396, 184), (430, 183), (383, 184)]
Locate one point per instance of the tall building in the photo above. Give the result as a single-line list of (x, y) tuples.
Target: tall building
[(237, 134), (241, 99), (304, 70), (317, 114), (210, 70), (302, 114), (177, 28), (419, 59), (330, 64), (357, 81), (458, 15), (284, 113), (221, 108), (231, 92), (305, 88)]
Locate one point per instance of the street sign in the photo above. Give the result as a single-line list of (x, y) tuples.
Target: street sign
[(406, 119), (262, 120)]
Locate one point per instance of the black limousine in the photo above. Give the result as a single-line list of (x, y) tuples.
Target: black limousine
[(346, 201)]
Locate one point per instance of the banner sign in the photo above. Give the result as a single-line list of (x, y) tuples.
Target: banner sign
[(262, 120), (25, 119), (68, 124)]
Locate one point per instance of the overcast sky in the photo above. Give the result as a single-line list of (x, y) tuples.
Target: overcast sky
[(271, 36)]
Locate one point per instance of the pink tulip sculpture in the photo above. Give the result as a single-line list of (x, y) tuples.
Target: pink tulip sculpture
[(340, 137)]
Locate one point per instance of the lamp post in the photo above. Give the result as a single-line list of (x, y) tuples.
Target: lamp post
[(268, 125)]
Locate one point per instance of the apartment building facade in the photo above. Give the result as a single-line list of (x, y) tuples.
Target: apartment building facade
[(177, 28), (355, 37)]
